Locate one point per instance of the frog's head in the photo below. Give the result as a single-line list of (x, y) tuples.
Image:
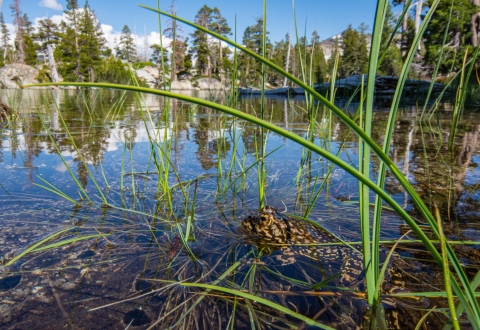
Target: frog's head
[(261, 222)]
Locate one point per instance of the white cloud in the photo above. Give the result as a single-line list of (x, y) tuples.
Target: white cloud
[(52, 4), (113, 39)]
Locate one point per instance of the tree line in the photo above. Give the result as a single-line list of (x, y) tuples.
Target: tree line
[(76, 49)]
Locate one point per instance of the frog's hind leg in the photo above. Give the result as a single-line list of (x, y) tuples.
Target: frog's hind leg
[(351, 271)]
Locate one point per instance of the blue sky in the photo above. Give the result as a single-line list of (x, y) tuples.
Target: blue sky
[(328, 17)]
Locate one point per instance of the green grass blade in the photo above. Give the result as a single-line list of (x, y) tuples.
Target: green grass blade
[(34, 246)]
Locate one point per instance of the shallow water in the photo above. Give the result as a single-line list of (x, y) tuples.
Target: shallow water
[(118, 275)]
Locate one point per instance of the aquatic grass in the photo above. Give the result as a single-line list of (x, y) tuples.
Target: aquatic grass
[(36, 245), (258, 300)]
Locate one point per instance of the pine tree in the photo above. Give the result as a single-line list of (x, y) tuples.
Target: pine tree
[(319, 63), (72, 15), (5, 36), (27, 25), (90, 43), (392, 62), (30, 47), (174, 31), (200, 45), (18, 22), (127, 47), (157, 53), (459, 36), (48, 36), (67, 55), (252, 39), (355, 56), (220, 25), (30, 50)]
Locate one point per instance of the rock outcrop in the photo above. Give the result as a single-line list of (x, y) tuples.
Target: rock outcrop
[(16, 74), (182, 85), (148, 74)]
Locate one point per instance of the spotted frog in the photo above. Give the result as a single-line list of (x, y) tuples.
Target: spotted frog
[(294, 238)]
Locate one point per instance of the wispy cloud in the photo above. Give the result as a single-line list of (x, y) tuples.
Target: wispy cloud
[(52, 4)]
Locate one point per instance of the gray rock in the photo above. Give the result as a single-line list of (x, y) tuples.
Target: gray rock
[(209, 83), (16, 74), (181, 85), (147, 76)]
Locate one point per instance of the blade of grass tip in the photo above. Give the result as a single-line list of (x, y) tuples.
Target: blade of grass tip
[(55, 190), (258, 300), (446, 272), (36, 245), (424, 317)]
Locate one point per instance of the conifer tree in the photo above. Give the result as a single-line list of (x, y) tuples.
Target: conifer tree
[(27, 25), (5, 38), (90, 42), (48, 36), (72, 15), (355, 57), (392, 62), (253, 39), (459, 37), (18, 22), (319, 63), (174, 31), (127, 47), (200, 45), (47, 33), (30, 48), (157, 52), (220, 25)]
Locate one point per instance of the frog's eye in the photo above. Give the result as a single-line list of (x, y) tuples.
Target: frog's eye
[(266, 219)]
